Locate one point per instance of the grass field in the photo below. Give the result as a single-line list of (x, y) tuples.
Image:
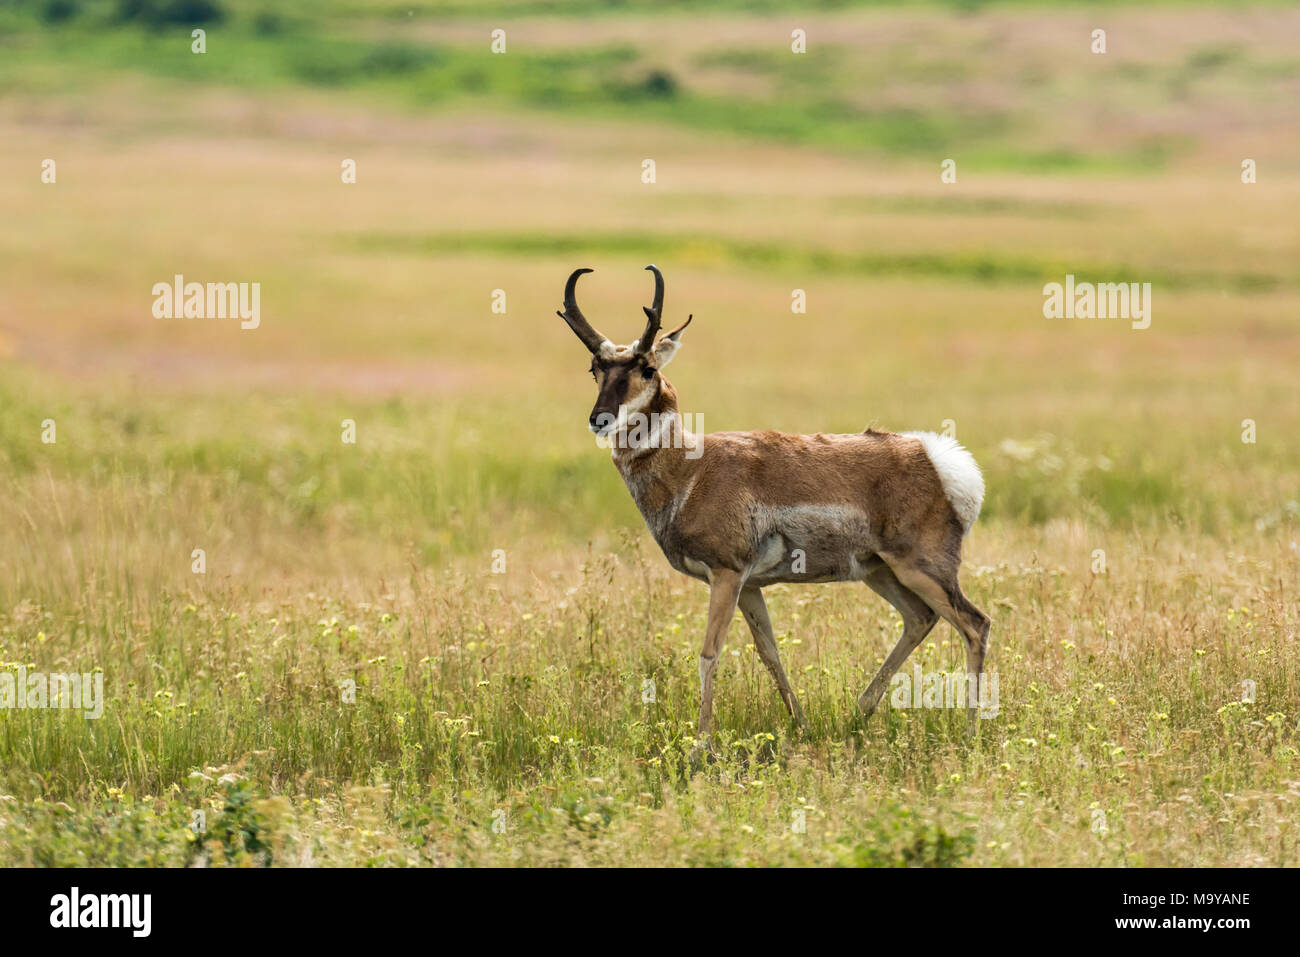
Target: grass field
[(1139, 559)]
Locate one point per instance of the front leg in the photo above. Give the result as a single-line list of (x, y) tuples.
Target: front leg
[(724, 592)]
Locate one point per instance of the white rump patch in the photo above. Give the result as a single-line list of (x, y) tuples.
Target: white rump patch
[(962, 481)]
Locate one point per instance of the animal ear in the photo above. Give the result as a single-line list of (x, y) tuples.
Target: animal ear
[(667, 347)]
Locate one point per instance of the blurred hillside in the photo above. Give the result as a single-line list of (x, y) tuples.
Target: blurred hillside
[(776, 171)]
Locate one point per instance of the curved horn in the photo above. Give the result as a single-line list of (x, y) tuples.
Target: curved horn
[(574, 317), (653, 313)]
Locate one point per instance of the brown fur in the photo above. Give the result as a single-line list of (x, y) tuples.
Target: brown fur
[(888, 477)]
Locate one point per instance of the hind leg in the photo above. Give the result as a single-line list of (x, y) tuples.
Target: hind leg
[(936, 584), (918, 619), (754, 609)]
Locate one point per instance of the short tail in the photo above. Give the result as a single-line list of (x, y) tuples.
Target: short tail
[(962, 481)]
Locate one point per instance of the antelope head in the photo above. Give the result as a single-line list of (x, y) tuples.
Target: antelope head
[(627, 377)]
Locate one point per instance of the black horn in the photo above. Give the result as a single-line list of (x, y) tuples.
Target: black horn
[(574, 317), (653, 313)]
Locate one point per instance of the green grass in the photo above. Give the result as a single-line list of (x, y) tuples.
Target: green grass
[(813, 100), (476, 697), (611, 82), (792, 258)]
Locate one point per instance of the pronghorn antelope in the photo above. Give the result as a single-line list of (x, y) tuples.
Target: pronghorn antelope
[(741, 510)]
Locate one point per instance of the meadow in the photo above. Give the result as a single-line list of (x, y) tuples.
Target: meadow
[(429, 646)]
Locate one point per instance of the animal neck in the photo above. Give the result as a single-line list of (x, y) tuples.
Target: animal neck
[(659, 465), (654, 437)]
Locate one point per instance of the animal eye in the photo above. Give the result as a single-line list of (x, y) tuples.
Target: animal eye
[(647, 372)]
